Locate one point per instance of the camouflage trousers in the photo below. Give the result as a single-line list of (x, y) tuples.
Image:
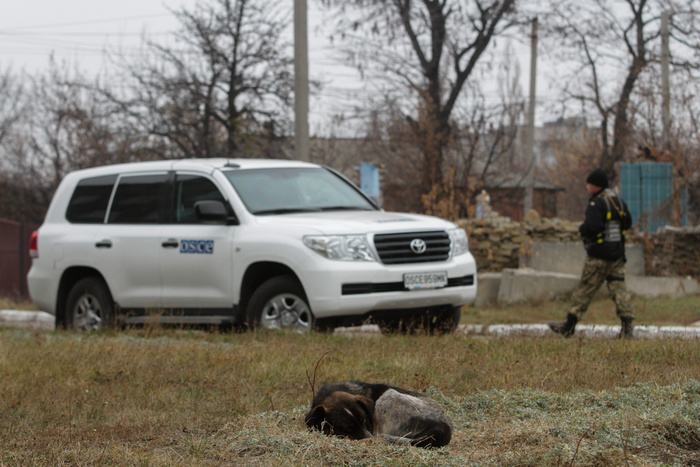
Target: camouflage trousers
[(595, 272)]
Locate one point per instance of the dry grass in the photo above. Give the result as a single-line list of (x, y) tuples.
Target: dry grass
[(7, 303), (183, 397), (661, 311)]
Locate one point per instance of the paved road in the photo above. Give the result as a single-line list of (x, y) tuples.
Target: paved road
[(45, 321)]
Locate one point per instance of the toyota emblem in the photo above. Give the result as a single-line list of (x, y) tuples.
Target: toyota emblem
[(418, 246)]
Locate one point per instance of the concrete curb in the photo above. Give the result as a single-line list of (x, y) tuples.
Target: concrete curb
[(43, 321), (524, 284), (590, 331), (27, 320)]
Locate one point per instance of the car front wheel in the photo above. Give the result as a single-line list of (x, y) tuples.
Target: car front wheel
[(89, 306), (279, 303)]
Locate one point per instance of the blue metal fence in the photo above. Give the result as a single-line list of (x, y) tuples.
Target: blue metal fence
[(647, 188), (369, 181)]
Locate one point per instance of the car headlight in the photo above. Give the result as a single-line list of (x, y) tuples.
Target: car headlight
[(459, 243), (341, 247)]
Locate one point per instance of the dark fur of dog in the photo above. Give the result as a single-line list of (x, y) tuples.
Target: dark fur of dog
[(358, 410)]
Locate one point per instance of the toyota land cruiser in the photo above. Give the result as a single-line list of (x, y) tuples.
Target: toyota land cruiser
[(255, 243)]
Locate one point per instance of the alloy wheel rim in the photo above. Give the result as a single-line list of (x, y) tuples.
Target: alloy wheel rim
[(87, 313), (286, 312)]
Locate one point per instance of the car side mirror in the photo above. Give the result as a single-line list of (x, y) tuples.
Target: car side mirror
[(213, 212)]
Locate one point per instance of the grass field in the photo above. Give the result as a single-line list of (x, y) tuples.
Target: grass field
[(155, 396), (10, 304)]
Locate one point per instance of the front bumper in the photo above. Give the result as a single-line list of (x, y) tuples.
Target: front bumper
[(340, 289)]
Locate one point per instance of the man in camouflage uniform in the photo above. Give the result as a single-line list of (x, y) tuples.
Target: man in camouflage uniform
[(603, 234)]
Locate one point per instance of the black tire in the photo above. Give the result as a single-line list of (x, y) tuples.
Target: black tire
[(446, 320), (325, 325), (395, 326), (89, 306), (418, 323), (443, 320), (279, 303)]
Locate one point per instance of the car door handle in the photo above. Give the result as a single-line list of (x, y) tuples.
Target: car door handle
[(170, 243), (104, 244)]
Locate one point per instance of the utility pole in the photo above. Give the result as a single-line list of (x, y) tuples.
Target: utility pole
[(301, 82), (677, 187), (530, 133), (666, 96)]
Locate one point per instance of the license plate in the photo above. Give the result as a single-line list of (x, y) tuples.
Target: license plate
[(425, 280)]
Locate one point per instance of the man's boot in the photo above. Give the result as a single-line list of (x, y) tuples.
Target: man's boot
[(626, 328), (566, 328)]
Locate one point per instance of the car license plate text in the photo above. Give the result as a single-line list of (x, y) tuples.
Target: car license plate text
[(425, 280)]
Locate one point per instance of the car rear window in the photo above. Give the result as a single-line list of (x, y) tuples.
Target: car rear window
[(139, 200), (88, 205)]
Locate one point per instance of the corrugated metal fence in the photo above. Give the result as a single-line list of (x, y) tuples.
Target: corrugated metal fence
[(14, 257)]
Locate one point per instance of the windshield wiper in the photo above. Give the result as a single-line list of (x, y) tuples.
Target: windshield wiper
[(346, 208), (285, 211)]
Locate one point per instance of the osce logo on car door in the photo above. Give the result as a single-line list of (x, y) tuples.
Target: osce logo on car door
[(202, 247)]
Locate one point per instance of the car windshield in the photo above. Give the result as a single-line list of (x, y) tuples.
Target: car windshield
[(293, 190)]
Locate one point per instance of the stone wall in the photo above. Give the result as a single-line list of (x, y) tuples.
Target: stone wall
[(673, 252), (497, 244)]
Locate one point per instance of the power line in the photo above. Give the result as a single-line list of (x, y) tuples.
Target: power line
[(79, 23), (75, 34)]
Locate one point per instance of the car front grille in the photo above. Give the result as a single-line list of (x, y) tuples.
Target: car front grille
[(396, 248)]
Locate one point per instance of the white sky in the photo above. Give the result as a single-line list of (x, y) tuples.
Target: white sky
[(78, 31), (75, 30)]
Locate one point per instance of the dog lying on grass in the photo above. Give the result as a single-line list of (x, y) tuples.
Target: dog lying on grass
[(359, 410)]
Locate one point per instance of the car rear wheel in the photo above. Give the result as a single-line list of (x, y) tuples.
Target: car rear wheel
[(446, 321), (279, 303), (89, 306)]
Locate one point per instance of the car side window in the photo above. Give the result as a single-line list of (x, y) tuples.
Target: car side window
[(188, 190), (139, 199), (89, 202)]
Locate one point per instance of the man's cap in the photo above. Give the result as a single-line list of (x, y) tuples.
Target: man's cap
[(598, 178)]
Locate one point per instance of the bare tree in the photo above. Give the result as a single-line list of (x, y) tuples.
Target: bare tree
[(12, 108), (63, 127), (226, 78), (11, 102), (223, 83), (481, 145), (682, 148), (610, 44), (486, 134), (574, 158), (427, 50)]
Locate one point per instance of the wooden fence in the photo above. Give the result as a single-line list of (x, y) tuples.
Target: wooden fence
[(14, 257)]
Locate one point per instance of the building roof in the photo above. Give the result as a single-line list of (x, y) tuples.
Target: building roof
[(512, 180)]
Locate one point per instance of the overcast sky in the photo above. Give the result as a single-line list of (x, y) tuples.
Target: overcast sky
[(78, 31)]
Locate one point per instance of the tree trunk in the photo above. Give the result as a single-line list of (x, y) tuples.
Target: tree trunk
[(432, 138), (621, 130)]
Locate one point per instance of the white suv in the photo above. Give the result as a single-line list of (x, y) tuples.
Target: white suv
[(255, 243)]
